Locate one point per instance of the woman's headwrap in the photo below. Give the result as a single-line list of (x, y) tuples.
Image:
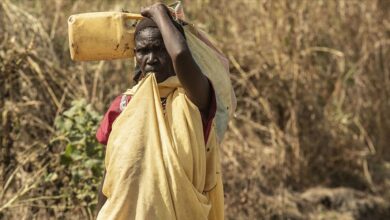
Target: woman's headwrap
[(147, 22), (144, 23)]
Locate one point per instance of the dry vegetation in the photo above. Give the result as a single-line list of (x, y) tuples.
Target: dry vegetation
[(312, 79)]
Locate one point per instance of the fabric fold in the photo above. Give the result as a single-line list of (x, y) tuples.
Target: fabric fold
[(157, 165)]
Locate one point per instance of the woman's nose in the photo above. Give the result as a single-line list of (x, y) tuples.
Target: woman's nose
[(152, 58)]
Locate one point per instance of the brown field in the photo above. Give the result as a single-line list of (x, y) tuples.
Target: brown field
[(310, 139)]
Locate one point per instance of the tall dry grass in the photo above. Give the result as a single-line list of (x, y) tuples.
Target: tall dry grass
[(312, 80)]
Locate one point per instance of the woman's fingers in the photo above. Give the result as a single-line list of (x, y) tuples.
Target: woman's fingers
[(145, 11), (154, 9)]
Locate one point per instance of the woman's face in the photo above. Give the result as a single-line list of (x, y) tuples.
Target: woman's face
[(151, 54)]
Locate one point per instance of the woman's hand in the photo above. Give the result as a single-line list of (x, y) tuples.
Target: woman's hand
[(154, 11)]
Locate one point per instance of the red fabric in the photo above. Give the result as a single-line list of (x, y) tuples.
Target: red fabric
[(207, 117), (113, 112)]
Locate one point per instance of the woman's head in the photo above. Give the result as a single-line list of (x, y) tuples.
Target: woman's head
[(150, 52)]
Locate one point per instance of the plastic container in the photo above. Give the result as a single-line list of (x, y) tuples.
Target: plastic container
[(102, 35)]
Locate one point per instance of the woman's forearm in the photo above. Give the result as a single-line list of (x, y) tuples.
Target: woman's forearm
[(174, 41), (187, 70)]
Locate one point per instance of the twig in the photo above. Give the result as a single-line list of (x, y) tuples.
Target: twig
[(95, 80), (42, 198), (24, 190), (38, 70), (8, 182)]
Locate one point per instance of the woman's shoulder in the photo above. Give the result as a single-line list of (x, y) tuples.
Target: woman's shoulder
[(114, 110)]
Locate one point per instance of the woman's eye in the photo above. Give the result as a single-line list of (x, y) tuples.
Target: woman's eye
[(141, 50), (159, 48)]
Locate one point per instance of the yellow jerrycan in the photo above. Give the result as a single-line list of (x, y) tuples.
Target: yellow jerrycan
[(102, 35)]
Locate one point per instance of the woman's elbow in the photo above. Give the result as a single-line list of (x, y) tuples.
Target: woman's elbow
[(180, 54)]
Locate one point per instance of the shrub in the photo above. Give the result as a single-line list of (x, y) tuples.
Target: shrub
[(82, 158)]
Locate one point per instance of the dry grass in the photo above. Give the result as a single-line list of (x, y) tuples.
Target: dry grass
[(312, 80)]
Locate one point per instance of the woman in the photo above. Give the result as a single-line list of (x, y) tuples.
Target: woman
[(181, 179)]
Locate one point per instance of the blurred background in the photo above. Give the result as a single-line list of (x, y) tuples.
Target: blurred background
[(312, 79)]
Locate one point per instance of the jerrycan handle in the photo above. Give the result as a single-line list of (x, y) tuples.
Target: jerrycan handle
[(133, 16)]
